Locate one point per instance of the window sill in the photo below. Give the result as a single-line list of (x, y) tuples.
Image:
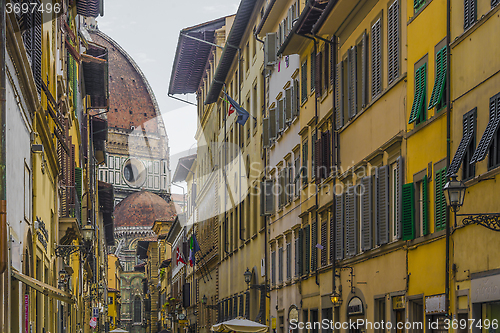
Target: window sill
[(485, 176), (425, 124), (369, 105), (420, 10), (474, 27)]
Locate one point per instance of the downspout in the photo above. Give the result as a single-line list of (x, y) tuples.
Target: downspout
[(448, 153), (334, 139), (3, 160), (313, 145), (240, 136), (266, 276)]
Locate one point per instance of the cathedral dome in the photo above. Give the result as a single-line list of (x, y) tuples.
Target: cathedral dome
[(142, 209)]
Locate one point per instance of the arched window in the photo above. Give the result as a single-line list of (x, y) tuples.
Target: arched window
[(137, 310)]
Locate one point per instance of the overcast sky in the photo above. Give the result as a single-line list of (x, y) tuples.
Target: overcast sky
[(148, 30)]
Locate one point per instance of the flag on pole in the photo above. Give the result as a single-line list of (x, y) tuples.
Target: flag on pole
[(193, 248), (242, 113)]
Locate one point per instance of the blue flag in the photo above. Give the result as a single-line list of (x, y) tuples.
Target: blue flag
[(242, 113)]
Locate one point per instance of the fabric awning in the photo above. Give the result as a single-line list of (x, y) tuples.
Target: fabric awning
[(240, 325), (44, 288)]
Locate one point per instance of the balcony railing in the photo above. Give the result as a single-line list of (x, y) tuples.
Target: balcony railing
[(71, 206)]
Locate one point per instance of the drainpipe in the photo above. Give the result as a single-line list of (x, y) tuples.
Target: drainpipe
[(448, 154), (3, 160), (266, 276)]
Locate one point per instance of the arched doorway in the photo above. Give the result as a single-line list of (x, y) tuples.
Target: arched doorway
[(355, 311)]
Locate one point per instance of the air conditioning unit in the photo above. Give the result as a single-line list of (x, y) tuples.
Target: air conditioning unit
[(270, 49)]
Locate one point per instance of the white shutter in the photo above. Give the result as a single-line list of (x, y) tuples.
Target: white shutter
[(350, 223), (270, 49), (288, 105)]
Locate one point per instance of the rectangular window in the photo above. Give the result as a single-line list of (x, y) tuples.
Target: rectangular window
[(470, 13), (376, 45), (313, 71), (490, 141), (437, 96), (393, 41), (304, 81), (465, 148), (439, 182), (418, 108)]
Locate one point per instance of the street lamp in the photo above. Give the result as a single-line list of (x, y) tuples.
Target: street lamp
[(204, 299), (454, 191), (248, 277), (336, 299), (88, 232)]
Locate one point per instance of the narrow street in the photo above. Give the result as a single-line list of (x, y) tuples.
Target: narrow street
[(253, 166)]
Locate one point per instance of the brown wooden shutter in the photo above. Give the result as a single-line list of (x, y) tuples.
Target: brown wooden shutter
[(339, 97), (318, 76), (317, 160), (324, 241)]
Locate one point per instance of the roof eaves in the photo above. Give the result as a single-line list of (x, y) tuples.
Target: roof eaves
[(266, 15), (297, 27), (323, 16), (231, 47)]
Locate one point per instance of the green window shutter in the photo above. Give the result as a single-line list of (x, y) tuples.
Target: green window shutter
[(419, 98), (440, 181), (417, 4), (440, 80), (425, 207), (78, 182), (408, 218)]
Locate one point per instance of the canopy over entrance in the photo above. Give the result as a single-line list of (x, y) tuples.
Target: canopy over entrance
[(240, 325)]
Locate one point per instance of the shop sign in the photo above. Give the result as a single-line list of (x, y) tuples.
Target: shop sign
[(398, 302), (435, 304), (355, 306), (183, 322), (485, 289), (273, 323), (95, 312)]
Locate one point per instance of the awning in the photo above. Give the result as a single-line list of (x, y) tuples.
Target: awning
[(44, 288), (240, 325), (95, 73), (183, 168)]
